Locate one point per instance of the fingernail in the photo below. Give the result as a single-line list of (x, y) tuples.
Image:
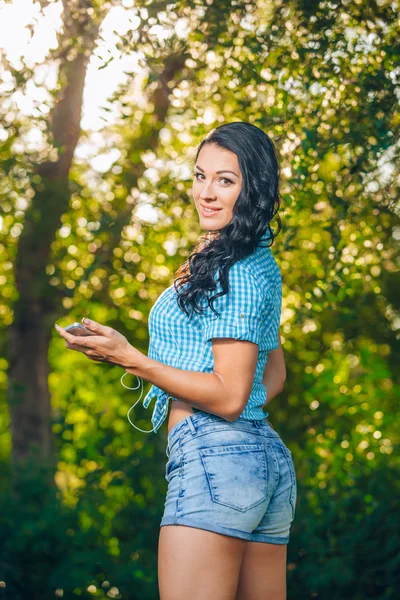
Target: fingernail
[(85, 320), (56, 326)]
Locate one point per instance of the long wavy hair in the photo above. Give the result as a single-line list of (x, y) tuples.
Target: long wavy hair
[(257, 204)]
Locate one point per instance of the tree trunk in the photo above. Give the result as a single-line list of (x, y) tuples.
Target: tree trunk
[(38, 304), (28, 392)]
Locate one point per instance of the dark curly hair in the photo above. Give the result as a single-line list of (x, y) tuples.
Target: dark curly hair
[(257, 204)]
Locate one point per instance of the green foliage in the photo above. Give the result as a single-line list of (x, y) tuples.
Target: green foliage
[(322, 81), (345, 540), (103, 545)]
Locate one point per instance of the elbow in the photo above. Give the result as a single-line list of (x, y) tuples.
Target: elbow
[(228, 410), (236, 410), (232, 417), (230, 414), (234, 413)]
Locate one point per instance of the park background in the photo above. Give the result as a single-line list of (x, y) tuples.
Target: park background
[(102, 105)]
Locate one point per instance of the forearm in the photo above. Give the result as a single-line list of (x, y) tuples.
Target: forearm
[(204, 391), (273, 387), (273, 382)]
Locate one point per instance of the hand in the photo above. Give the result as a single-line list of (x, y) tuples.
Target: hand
[(108, 345)]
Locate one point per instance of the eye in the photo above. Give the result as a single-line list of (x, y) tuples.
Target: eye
[(226, 181)]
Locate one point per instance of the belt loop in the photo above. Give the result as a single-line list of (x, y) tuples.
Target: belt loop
[(192, 427)]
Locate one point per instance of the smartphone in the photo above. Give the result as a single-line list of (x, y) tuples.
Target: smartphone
[(78, 329)]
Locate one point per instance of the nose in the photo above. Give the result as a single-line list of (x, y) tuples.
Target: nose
[(207, 191)]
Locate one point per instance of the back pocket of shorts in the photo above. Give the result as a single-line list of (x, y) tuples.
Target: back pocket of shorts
[(236, 475)]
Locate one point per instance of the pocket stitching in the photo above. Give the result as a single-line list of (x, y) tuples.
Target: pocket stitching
[(226, 450), (230, 449)]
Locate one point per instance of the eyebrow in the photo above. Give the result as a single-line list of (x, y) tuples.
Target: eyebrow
[(223, 171)]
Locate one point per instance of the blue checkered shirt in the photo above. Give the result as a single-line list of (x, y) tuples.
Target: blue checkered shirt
[(251, 310)]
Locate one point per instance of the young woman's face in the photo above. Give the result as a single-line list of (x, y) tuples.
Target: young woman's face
[(217, 184)]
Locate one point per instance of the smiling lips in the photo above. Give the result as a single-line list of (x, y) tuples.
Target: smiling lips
[(209, 212)]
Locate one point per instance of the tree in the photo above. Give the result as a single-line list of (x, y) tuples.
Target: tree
[(39, 304), (322, 81)]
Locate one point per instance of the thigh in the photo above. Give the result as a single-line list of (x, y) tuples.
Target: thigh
[(198, 564), (263, 572)]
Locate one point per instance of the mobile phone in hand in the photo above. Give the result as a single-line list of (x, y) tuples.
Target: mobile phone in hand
[(78, 329)]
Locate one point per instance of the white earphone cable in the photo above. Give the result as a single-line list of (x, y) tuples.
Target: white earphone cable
[(133, 405)]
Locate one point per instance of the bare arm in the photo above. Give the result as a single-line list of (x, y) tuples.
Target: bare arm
[(224, 392), (274, 373)]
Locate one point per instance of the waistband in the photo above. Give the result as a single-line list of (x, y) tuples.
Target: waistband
[(253, 414), (190, 426)]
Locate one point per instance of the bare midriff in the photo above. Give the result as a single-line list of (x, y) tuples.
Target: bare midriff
[(178, 411)]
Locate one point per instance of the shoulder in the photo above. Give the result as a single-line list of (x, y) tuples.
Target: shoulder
[(245, 290), (259, 269), (244, 280), (242, 273)]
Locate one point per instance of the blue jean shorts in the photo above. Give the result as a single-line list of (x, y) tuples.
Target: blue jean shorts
[(234, 478)]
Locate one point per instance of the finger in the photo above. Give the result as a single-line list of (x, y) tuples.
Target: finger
[(75, 340), (93, 354), (74, 347), (96, 327), (89, 353)]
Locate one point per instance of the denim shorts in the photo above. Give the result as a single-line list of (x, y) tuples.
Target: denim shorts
[(234, 478)]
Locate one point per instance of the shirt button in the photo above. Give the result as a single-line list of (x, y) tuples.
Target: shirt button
[(241, 315)]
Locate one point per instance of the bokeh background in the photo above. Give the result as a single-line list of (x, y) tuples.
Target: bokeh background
[(102, 105)]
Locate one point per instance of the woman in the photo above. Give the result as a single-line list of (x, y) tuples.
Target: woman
[(215, 352)]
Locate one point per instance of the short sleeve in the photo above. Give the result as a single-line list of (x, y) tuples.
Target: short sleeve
[(249, 311)]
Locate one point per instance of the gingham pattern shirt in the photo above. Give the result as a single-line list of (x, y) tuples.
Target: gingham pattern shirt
[(251, 310)]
